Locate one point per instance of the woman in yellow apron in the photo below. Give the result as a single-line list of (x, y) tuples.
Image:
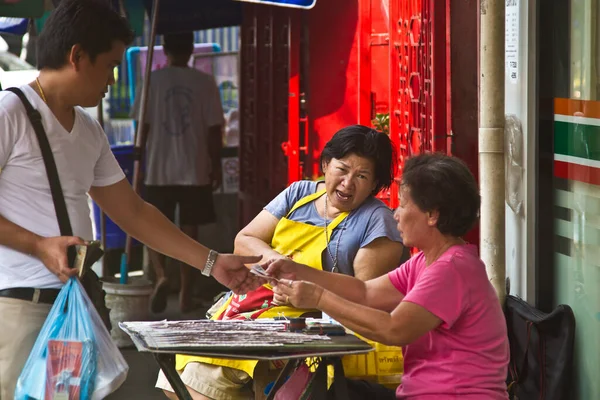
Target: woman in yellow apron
[(336, 225)]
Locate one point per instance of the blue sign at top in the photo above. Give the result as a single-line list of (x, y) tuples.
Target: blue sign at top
[(285, 3)]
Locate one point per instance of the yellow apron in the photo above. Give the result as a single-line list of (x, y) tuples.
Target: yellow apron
[(304, 243)]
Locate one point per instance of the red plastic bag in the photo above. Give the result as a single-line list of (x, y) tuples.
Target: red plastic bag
[(296, 386)]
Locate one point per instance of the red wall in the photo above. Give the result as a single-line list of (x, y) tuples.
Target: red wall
[(358, 62), (333, 92)]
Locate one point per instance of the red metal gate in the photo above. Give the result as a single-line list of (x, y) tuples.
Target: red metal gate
[(269, 99), (405, 71), (419, 78)]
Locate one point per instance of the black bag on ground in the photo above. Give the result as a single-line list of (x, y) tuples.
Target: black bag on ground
[(541, 351), (90, 281)]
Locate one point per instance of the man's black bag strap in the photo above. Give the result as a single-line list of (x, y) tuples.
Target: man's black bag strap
[(64, 223)]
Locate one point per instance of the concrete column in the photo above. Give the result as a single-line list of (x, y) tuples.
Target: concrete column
[(491, 141)]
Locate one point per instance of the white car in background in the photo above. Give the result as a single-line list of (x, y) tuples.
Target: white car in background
[(13, 70), (10, 62)]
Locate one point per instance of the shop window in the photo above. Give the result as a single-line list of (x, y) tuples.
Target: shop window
[(576, 183)]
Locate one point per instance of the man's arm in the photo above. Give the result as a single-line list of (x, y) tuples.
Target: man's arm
[(17, 238), (145, 223), (51, 251)]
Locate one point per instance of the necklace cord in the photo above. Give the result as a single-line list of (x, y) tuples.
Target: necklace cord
[(327, 241), (37, 81)]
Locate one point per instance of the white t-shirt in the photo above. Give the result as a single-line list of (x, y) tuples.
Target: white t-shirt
[(182, 104), (83, 159)]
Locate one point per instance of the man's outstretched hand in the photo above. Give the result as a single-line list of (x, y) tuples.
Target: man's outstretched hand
[(231, 271)]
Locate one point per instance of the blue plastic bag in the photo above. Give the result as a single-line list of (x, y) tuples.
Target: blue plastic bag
[(74, 357)]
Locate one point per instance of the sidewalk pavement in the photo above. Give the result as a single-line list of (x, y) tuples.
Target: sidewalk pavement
[(143, 369)]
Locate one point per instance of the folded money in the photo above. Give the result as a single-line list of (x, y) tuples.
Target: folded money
[(260, 272)]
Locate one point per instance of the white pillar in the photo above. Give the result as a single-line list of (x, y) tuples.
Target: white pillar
[(491, 141)]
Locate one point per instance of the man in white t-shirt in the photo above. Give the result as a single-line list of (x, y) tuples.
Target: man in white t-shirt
[(183, 160), (81, 44)]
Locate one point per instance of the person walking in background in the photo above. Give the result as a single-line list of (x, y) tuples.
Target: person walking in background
[(183, 148)]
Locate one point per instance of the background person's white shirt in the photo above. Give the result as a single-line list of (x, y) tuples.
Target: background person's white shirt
[(182, 104), (83, 159)]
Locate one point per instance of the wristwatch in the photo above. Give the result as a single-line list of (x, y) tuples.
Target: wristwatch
[(210, 262)]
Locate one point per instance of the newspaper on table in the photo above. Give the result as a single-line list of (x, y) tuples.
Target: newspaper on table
[(212, 334)]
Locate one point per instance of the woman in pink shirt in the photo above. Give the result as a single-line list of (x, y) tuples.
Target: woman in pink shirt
[(439, 305)]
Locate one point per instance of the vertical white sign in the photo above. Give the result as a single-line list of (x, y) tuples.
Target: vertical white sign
[(511, 40)]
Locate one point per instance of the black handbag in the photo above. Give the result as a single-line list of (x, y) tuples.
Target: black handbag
[(90, 281), (541, 351)]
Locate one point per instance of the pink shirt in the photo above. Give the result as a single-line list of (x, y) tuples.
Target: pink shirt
[(466, 356)]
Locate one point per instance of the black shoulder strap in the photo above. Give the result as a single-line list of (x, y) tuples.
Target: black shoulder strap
[(64, 223)]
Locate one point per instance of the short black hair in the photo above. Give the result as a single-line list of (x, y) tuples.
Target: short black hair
[(90, 23), (365, 142), (179, 44), (438, 182)]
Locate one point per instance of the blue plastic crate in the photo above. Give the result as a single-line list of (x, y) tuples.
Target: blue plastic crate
[(115, 237)]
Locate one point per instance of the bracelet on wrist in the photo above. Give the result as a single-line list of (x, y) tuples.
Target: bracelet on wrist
[(210, 263)]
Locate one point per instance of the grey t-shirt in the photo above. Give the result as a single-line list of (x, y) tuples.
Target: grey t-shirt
[(372, 220), (183, 103)]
